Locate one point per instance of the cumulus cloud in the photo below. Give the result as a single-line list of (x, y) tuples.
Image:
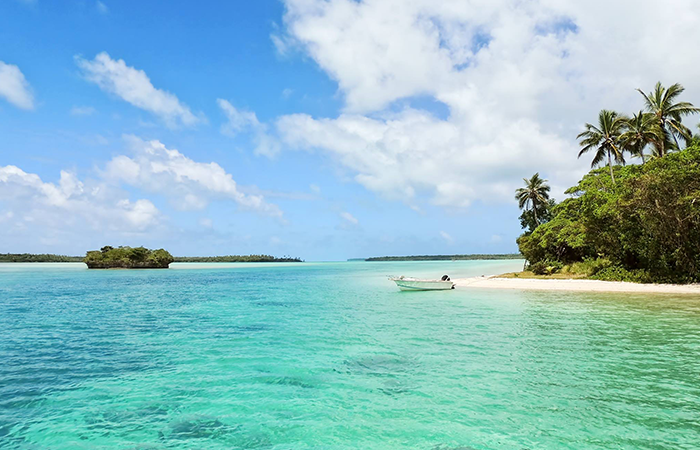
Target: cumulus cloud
[(241, 121), (517, 81), (189, 184), (71, 203), (134, 86), (14, 87)]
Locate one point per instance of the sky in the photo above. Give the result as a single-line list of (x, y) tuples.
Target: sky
[(322, 129)]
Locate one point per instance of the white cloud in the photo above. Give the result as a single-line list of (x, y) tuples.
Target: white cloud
[(349, 218), (71, 203), (101, 7), (238, 121), (189, 184), (449, 239), (134, 86), (241, 121), (82, 111), (517, 81), (205, 222), (14, 87)]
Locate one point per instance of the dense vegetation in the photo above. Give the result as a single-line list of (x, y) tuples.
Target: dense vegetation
[(128, 258), (236, 258), (444, 257), (28, 257), (632, 223)]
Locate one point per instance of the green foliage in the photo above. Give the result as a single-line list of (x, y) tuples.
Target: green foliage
[(533, 199), (28, 257), (617, 273), (545, 267), (649, 220), (590, 266), (543, 214), (127, 258)]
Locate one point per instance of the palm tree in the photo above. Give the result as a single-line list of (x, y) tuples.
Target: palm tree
[(533, 195), (668, 114), (604, 139), (640, 130)]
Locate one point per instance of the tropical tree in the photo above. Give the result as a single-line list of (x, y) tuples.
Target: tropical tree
[(640, 131), (533, 196), (668, 113), (604, 139)]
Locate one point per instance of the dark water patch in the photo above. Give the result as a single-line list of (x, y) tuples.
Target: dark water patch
[(288, 381), (196, 427), (459, 447), (254, 328), (277, 304), (378, 365), (394, 387)]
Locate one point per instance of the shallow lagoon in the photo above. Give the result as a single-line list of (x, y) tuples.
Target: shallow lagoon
[(333, 356)]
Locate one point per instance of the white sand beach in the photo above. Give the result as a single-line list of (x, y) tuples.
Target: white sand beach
[(494, 282)]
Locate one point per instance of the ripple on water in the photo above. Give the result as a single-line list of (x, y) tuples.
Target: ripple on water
[(331, 357)]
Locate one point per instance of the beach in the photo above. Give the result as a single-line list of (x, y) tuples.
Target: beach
[(494, 282)]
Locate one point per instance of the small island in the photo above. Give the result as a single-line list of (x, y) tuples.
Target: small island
[(631, 223), (128, 258)]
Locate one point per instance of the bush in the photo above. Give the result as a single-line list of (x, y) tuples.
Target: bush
[(545, 267), (617, 273), (590, 266)]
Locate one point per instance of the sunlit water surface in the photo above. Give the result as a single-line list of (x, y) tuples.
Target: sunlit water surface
[(333, 356)]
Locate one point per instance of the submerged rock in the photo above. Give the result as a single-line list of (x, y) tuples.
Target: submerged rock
[(197, 427)]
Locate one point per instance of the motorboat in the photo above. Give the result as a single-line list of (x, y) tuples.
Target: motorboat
[(416, 284)]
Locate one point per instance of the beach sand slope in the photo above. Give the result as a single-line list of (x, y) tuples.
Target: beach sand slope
[(493, 282)]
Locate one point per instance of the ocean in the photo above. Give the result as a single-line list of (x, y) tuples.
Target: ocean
[(334, 356)]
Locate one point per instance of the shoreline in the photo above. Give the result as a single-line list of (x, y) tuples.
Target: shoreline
[(574, 285)]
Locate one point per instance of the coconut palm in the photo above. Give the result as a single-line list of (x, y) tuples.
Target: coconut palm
[(534, 195), (661, 102), (604, 139), (640, 131)]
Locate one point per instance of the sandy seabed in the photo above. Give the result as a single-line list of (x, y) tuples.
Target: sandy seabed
[(575, 285)]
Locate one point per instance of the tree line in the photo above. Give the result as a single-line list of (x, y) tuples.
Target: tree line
[(638, 222)]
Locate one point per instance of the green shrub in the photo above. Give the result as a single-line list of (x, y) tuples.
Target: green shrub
[(545, 267), (617, 273), (590, 266)]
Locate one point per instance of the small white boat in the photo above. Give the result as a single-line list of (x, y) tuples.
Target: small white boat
[(415, 284)]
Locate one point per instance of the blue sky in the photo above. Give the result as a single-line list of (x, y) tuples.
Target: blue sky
[(324, 130)]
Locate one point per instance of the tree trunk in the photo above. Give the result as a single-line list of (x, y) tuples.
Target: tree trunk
[(611, 170), (534, 212)]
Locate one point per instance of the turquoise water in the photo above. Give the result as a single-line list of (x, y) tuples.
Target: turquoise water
[(333, 356)]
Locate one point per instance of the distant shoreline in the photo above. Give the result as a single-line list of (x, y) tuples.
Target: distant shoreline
[(51, 258), (473, 257), (575, 285)]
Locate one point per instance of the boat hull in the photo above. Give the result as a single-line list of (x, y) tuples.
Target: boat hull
[(423, 285)]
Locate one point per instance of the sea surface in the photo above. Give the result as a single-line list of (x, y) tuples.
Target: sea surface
[(333, 356)]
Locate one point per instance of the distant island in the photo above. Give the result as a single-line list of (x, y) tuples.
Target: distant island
[(235, 258), (32, 258), (445, 257), (98, 258), (128, 258)]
